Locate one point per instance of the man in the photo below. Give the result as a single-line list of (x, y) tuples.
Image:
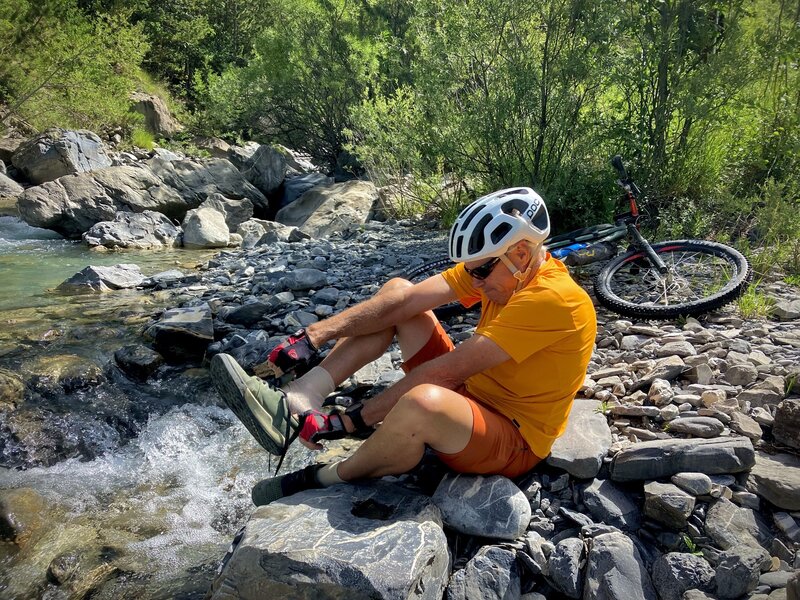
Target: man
[(492, 405)]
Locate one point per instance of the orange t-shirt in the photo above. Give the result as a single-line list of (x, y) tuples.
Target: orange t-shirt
[(548, 328)]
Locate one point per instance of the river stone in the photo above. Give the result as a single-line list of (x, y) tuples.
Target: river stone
[(8, 187), (294, 187), (630, 410), (668, 368), (763, 393), (729, 525), (787, 423), (492, 573), (157, 117), (702, 427), (345, 541), (251, 313), (615, 570), (697, 484), (12, 390), (745, 425), (788, 526), (265, 169), (609, 504), (251, 231), (564, 566), (305, 279), (738, 570), (8, 146), (787, 310), (659, 459), (711, 397), (371, 373), (660, 393), (183, 333), (667, 504), (490, 507), (324, 210), (205, 227), (583, 446), (776, 478), (741, 375), (58, 152), (278, 232), (145, 230), (676, 572), (22, 515), (235, 211), (682, 349), (103, 279), (55, 374), (138, 361)]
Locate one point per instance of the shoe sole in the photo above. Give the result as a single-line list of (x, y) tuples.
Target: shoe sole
[(231, 383)]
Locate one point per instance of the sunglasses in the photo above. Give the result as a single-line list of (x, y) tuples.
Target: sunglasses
[(481, 272)]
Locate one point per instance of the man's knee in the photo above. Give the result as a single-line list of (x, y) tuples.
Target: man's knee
[(423, 401), (396, 283)]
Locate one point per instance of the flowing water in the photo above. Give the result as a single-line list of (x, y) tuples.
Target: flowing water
[(140, 486)]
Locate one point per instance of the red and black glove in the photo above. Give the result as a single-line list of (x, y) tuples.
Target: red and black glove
[(296, 354), (317, 426)]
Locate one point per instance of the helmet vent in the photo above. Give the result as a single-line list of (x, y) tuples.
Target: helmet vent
[(511, 205), (540, 220), (471, 216), (477, 240), (500, 232)]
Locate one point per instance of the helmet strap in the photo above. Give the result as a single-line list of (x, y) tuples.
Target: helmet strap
[(520, 276)]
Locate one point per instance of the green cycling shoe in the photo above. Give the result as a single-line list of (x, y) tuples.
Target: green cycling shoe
[(261, 408)]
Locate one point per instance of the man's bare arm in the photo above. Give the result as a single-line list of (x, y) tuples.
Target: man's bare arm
[(386, 309), (448, 371)]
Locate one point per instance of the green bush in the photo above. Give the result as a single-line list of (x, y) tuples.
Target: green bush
[(143, 139)]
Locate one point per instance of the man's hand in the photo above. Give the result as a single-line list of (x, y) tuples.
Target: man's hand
[(296, 354)]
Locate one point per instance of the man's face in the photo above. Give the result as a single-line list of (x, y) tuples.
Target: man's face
[(499, 284)]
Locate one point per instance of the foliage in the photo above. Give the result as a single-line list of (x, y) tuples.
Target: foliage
[(141, 138), (754, 304)]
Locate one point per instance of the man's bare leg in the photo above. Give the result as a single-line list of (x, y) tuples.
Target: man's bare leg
[(427, 415)]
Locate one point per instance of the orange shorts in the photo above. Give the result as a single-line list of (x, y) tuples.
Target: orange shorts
[(496, 446)]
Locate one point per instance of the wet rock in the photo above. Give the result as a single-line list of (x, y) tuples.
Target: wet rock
[(103, 279), (137, 361), (205, 227), (776, 478), (730, 526), (616, 571), (492, 573), (63, 373), (395, 547), (667, 504), (183, 333), (22, 515), (564, 566), (490, 507), (143, 230), (324, 210), (676, 572), (58, 152), (663, 458), (584, 444), (235, 211), (609, 504), (787, 423), (738, 571), (12, 390), (702, 427)]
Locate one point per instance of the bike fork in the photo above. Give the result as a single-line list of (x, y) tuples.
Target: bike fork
[(642, 243)]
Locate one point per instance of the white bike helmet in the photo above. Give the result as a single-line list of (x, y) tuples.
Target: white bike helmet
[(493, 223)]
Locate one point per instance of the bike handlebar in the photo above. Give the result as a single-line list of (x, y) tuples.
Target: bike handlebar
[(616, 161)]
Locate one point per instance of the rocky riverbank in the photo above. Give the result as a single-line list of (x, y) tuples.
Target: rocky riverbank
[(679, 470)]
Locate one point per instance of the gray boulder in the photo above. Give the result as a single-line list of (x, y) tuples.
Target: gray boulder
[(183, 333), (659, 459), (143, 230), (305, 279), (235, 211), (157, 117), (787, 310), (676, 572), (324, 210), (251, 231), (609, 504), (615, 570), (667, 504), (486, 506), (103, 279), (492, 573), (697, 484), (738, 571), (730, 526), (205, 228), (787, 423), (346, 541), (8, 146), (9, 188), (584, 444), (776, 478), (564, 566), (137, 361), (702, 427), (58, 152), (294, 187), (265, 169)]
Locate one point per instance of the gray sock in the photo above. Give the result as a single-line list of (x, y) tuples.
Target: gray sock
[(329, 475)]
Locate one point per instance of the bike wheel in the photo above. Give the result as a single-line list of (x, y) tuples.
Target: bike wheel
[(434, 267), (702, 277)]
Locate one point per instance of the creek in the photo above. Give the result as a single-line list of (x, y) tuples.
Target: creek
[(139, 487)]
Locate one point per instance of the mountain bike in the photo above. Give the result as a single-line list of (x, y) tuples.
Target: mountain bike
[(664, 280)]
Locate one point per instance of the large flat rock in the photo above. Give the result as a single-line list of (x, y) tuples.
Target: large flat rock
[(776, 478), (584, 444), (663, 458)]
